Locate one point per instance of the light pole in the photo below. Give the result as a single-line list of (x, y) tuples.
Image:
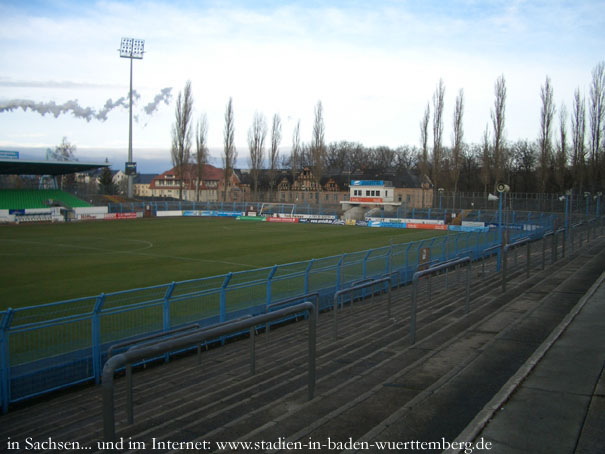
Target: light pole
[(131, 48), (440, 195)]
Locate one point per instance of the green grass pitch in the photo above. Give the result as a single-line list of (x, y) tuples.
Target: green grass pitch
[(54, 262)]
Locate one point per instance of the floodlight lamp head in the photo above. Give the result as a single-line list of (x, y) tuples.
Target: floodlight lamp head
[(501, 187), (132, 48)]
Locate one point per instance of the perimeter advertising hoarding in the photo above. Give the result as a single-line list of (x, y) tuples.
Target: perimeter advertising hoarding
[(110, 216), (288, 220)]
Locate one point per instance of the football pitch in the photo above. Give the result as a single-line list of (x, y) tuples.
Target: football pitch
[(54, 262)]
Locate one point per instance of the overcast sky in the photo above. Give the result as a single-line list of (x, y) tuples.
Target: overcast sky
[(373, 64)]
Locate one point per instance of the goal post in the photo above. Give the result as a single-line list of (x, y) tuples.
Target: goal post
[(276, 209)]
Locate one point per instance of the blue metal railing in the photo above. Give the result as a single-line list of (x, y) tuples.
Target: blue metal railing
[(56, 345)]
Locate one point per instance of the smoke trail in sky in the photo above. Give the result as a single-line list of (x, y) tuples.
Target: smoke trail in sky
[(164, 95), (86, 113)]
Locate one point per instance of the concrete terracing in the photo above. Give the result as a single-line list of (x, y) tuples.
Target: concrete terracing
[(372, 386)]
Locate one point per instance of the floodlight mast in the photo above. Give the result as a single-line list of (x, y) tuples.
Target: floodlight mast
[(131, 48)]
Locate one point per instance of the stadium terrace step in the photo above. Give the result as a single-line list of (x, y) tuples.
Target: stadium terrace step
[(368, 379)]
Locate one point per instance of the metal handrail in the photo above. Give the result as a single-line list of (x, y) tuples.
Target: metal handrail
[(394, 273), (520, 242), (168, 345), (352, 289), (150, 337), (419, 274), (306, 296), (129, 406)]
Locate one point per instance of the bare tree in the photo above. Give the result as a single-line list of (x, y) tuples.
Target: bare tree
[(498, 116), (524, 154), (485, 160), (256, 144), (296, 150), (274, 152), (457, 139), (561, 155), (65, 151), (318, 147), (424, 140), (547, 114), (382, 158), (338, 157), (578, 139), (438, 102), (201, 151), (181, 135), (597, 121), (229, 151)]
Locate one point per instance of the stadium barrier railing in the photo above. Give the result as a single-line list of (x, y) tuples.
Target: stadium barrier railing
[(54, 346), (135, 354)]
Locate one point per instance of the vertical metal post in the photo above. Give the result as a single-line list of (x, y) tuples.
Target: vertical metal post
[(252, 351), (390, 284), (312, 350), (528, 259), (96, 338), (5, 359), (504, 269), (467, 305), (307, 273), (129, 407), (543, 252), (130, 177), (223, 302), (335, 317), (339, 273), (166, 312), (269, 284), (413, 312)]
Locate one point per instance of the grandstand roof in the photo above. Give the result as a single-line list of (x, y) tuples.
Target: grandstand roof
[(21, 167)]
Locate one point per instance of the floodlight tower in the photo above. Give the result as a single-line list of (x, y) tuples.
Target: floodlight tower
[(131, 48)]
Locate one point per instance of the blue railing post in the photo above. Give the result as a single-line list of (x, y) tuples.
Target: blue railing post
[(269, 284), (5, 359), (307, 272), (223, 309), (96, 337), (418, 253), (339, 273), (407, 261), (388, 264), (445, 254), (166, 306), (365, 265)]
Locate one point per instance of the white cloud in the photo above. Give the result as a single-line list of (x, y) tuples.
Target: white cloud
[(373, 66)]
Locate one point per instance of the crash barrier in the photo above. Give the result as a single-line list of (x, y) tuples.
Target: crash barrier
[(429, 272), (289, 301), (364, 285), (138, 353), (53, 346)]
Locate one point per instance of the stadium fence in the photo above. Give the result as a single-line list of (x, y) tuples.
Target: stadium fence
[(54, 346)]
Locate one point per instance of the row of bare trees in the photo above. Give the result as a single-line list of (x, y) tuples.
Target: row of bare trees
[(182, 157), (182, 132), (556, 161)]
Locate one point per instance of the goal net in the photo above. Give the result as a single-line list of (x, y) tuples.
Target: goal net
[(277, 209)]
